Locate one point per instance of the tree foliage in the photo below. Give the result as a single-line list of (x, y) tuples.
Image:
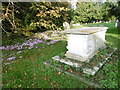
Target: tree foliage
[(91, 11), (115, 10), (29, 17)]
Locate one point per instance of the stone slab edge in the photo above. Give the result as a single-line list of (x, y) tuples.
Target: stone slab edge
[(97, 67), (68, 62), (90, 83)]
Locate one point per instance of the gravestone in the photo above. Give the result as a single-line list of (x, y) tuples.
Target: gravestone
[(117, 24), (84, 42), (66, 25)]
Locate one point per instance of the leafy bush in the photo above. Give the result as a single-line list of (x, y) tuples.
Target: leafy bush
[(89, 11), (30, 17)]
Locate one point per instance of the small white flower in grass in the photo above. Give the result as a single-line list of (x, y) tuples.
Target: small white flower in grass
[(30, 47), (20, 56), (6, 63), (36, 47), (54, 35), (48, 43), (19, 52)]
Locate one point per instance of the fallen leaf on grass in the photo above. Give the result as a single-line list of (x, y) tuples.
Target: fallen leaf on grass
[(59, 73), (55, 81), (33, 84), (70, 70), (25, 77), (58, 84), (51, 84), (34, 74), (44, 78), (20, 85)]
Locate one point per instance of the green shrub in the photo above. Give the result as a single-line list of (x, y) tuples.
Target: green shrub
[(28, 18)]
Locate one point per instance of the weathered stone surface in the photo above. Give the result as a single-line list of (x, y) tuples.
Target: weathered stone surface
[(76, 57), (66, 25), (88, 68), (56, 58), (85, 42), (85, 30), (68, 62), (96, 68), (117, 24), (89, 71)]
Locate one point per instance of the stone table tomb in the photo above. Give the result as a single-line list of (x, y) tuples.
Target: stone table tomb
[(84, 42)]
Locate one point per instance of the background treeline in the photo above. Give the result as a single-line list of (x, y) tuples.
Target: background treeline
[(88, 12), (27, 18)]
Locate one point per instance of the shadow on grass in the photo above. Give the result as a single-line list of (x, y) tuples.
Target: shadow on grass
[(113, 30), (112, 40)]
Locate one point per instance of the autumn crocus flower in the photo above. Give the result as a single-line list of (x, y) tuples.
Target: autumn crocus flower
[(54, 41), (46, 38), (11, 58), (3, 48), (12, 47)]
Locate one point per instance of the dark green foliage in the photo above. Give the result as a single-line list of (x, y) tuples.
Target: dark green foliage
[(115, 9), (89, 11), (28, 18)]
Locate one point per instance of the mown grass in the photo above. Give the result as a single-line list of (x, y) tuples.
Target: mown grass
[(111, 34), (30, 72)]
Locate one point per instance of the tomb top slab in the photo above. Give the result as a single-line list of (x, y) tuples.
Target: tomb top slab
[(85, 30)]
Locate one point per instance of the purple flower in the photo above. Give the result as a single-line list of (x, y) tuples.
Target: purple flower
[(11, 48), (11, 58), (31, 44), (40, 41), (52, 42), (3, 47), (19, 48), (34, 42), (46, 38), (7, 46)]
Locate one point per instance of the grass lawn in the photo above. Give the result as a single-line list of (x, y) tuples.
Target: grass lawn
[(28, 71)]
